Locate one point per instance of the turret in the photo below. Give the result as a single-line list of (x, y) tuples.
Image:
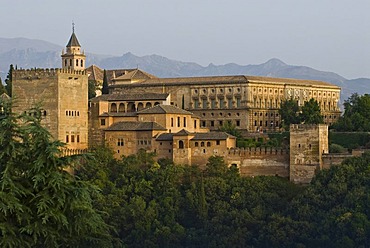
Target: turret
[(73, 58)]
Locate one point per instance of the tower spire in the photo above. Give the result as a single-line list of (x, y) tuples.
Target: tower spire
[(73, 27)]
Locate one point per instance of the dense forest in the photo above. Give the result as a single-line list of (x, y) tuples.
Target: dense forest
[(138, 202)]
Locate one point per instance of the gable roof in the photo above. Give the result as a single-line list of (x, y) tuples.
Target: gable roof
[(212, 136), (165, 137), (164, 109), (73, 41), (134, 126), (131, 97)]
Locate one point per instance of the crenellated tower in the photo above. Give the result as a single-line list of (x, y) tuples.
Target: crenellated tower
[(73, 58)]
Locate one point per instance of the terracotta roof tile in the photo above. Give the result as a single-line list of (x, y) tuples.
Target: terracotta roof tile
[(164, 109), (212, 136), (134, 126)]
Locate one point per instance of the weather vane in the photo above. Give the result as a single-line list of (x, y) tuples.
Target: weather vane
[(73, 26)]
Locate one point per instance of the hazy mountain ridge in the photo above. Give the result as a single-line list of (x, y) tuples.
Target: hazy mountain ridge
[(28, 53)]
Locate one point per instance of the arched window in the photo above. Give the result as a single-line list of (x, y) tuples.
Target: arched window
[(156, 103), (140, 106), (121, 108), (181, 144), (208, 144), (196, 144), (76, 62), (131, 107), (148, 105), (113, 107), (82, 63), (202, 144)]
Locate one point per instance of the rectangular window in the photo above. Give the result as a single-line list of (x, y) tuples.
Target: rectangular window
[(212, 123), (72, 138), (171, 122), (222, 103), (178, 121), (67, 138), (78, 138), (213, 103), (203, 123), (238, 123), (230, 103), (204, 103), (195, 123), (120, 142), (184, 121), (218, 142), (221, 123), (102, 122), (196, 103), (238, 102)]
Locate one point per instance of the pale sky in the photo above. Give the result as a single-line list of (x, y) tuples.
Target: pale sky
[(328, 35)]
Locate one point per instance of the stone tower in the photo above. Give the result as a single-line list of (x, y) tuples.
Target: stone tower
[(307, 144), (62, 95), (74, 58)]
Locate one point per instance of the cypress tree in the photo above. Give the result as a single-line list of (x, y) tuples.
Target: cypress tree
[(105, 89)]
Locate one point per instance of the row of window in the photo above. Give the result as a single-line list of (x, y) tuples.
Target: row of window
[(130, 107), (72, 138), (220, 123), (72, 113), (78, 62), (204, 91), (266, 114), (179, 122), (267, 123), (34, 113), (221, 114), (214, 104)]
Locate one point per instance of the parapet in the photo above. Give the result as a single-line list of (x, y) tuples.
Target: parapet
[(48, 72), (258, 151), (301, 127)]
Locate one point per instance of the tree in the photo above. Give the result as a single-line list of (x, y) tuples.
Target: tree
[(289, 113), (356, 115), (311, 113), (105, 89), (91, 89), (41, 204), (9, 80), (230, 128), (2, 88)]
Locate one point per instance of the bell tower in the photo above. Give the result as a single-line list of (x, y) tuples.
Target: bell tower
[(73, 58)]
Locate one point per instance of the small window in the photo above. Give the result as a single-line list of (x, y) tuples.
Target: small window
[(202, 144), (78, 138), (72, 138), (196, 144), (67, 138), (178, 121), (171, 122), (208, 144), (218, 142), (102, 122)]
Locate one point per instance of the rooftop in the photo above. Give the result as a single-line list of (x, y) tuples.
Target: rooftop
[(134, 126), (164, 109)]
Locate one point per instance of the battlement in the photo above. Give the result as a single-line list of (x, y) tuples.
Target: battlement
[(300, 127), (39, 73), (257, 151)]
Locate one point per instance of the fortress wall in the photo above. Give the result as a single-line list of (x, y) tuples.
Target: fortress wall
[(32, 87), (250, 161)]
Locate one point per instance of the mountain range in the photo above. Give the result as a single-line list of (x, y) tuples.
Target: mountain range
[(30, 53)]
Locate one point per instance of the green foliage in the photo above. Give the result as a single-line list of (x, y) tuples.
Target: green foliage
[(289, 113), (9, 80), (310, 113), (356, 115), (230, 128), (335, 148), (91, 90), (42, 205), (105, 89), (350, 140), (2, 88)]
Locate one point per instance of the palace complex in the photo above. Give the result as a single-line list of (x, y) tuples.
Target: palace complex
[(178, 118)]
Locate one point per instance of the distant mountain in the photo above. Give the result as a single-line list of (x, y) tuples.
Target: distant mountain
[(28, 53)]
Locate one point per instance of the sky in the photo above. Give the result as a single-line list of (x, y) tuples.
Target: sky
[(328, 35)]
